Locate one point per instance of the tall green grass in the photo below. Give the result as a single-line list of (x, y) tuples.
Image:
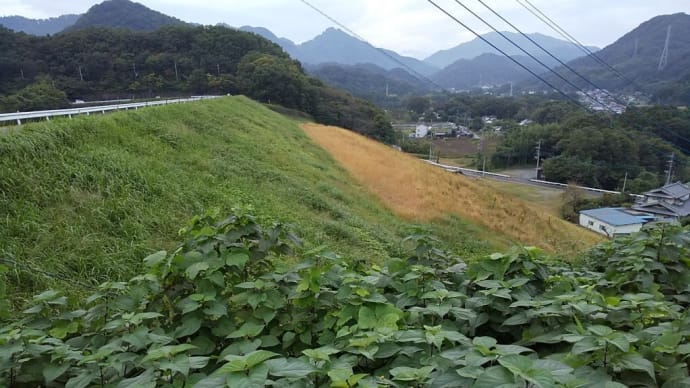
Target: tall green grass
[(88, 198)]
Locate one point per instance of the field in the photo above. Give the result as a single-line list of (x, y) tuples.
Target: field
[(86, 199), (419, 192)]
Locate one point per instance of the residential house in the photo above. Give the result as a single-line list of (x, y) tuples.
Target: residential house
[(421, 131), (613, 221), (667, 203)]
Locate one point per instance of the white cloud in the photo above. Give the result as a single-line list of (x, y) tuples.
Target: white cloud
[(410, 27)]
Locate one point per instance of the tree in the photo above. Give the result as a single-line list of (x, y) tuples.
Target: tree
[(418, 104), (42, 94)]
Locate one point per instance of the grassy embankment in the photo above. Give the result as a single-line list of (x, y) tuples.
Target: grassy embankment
[(88, 198), (420, 192)]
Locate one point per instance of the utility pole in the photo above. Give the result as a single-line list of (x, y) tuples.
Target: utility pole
[(538, 157), (669, 172), (134, 68), (625, 181), (218, 67), (663, 61), (81, 75), (481, 153), (177, 78)]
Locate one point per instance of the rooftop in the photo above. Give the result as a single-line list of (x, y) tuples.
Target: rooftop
[(618, 216), (673, 190)]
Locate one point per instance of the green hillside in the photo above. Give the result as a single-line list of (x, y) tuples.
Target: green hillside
[(87, 198)]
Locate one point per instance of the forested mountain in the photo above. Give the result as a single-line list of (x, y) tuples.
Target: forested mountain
[(124, 14), (637, 55), (38, 26), (108, 63), (369, 81), (486, 69), (336, 46), (564, 50), (289, 46)]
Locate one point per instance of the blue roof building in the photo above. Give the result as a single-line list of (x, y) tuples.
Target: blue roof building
[(612, 221)]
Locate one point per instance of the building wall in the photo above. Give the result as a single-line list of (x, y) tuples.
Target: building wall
[(606, 229)]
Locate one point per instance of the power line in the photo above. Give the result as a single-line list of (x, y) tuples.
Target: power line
[(508, 56), (529, 54), (554, 26), (548, 52), (382, 51)]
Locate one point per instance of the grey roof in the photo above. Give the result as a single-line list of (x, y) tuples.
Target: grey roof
[(673, 190), (617, 216), (661, 207)]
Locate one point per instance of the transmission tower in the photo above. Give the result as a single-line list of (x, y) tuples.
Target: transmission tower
[(663, 61), (637, 46)]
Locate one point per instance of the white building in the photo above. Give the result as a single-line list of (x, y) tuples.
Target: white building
[(612, 221), (421, 131)]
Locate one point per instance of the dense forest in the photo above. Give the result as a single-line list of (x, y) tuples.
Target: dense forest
[(598, 150), (99, 63)]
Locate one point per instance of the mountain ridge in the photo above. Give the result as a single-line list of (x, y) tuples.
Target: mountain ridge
[(124, 14), (472, 49), (47, 26)]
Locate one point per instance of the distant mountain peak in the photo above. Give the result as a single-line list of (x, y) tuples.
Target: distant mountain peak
[(564, 50), (124, 14), (38, 26)]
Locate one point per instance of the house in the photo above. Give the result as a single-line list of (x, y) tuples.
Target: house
[(613, 221), (421, 131), (526, 122), (666, 203)]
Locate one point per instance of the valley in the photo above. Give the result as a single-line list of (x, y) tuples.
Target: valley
[(283, 227)]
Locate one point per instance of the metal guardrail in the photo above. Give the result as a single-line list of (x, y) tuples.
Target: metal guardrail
[(462, 169), (583, 188), (47, 114)]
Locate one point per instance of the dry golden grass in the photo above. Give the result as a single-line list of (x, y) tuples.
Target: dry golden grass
[(421, 192)]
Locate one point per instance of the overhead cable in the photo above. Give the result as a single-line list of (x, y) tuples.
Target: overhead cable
[(504, 36), (508, 56)]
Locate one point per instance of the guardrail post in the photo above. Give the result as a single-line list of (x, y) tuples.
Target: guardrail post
[(19, 122)]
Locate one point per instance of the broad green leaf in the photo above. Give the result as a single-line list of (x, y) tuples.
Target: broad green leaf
[(403, 373), (495, 377), (484, 342), (190, 324), (167, 351), (237, 259), (255, 377), (144, 380), (82, 380), (635, 361), (290, 367), (618, 340), (64, 329), (601, 331), (53, 371), (243, 363), (323, 353), (248, 329), (193, 270), (155, 259)]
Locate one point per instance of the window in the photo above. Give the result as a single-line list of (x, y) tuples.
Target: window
[(590, 223)]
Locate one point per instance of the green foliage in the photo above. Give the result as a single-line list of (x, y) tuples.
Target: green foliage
[(86, 198), (41, 94), (100, 63), (239, 304)]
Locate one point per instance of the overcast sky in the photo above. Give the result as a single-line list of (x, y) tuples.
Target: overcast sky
[(410, 27)]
